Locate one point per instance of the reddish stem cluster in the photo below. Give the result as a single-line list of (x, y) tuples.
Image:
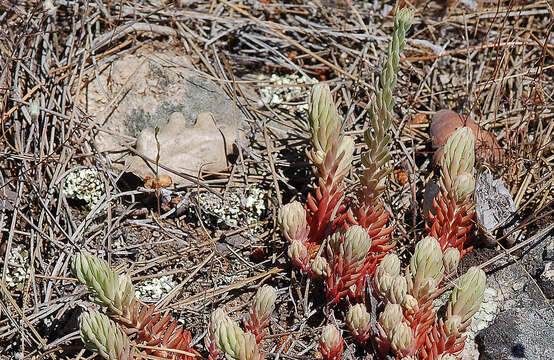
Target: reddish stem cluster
[(451, 224), (159, 331)]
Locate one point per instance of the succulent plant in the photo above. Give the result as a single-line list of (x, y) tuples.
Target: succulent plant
[(358, 321), (292, 220), (102, 335), (111, 290), (347, 265), (453, 206), (116, 293), (262, 307), (377, 136), (331, 343), (234, 342)]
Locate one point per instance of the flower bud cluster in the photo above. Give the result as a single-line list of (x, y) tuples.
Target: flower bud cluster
[(231, 339), (261, 310), (358, 322), (397, 331), (331, 152), (467, 296), (387, 270), (294, 227), (102, 335), (457, 164), (347, 261), (331, 343), (293, 223), (111, 290), (426, 269)]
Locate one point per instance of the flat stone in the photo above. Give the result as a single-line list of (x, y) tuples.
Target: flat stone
[(153, 88)]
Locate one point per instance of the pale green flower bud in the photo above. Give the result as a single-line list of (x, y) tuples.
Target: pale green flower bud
[(404, 18), (467, 296), (102, 335), (263, 305), (346, 148), (383, 283), (293, 223), (331, 343), (397, 290), (458, 156), (390, 264), (426, 267), (218, 316), (356, 243), (298, 253), (324, 122), (464, 186), (234, 342), (112, 290), (319, 267), (410, 304), (358, 320), (387, 270), (390, 317), (402, 339), (450, 260), (427, 258)]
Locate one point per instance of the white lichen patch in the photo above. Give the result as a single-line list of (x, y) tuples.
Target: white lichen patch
[(282, 91), (18, 266), (238, 208), (85, 185), (154, 289)]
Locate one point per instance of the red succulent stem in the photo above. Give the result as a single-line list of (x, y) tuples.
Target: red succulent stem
[(422, 321), (437, 342), (256, 327), (324, 210), (155, 330), (452, 223)]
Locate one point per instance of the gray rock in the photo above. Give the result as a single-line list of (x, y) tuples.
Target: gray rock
[(546, 280), (548, 254), (524, 332), (524, 325), (494, 207), (153, 88)]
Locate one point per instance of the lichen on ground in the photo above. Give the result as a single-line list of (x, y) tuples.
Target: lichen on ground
[(282, 91), (154, 289), (84, 185), (238, 208), (18, 266)]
